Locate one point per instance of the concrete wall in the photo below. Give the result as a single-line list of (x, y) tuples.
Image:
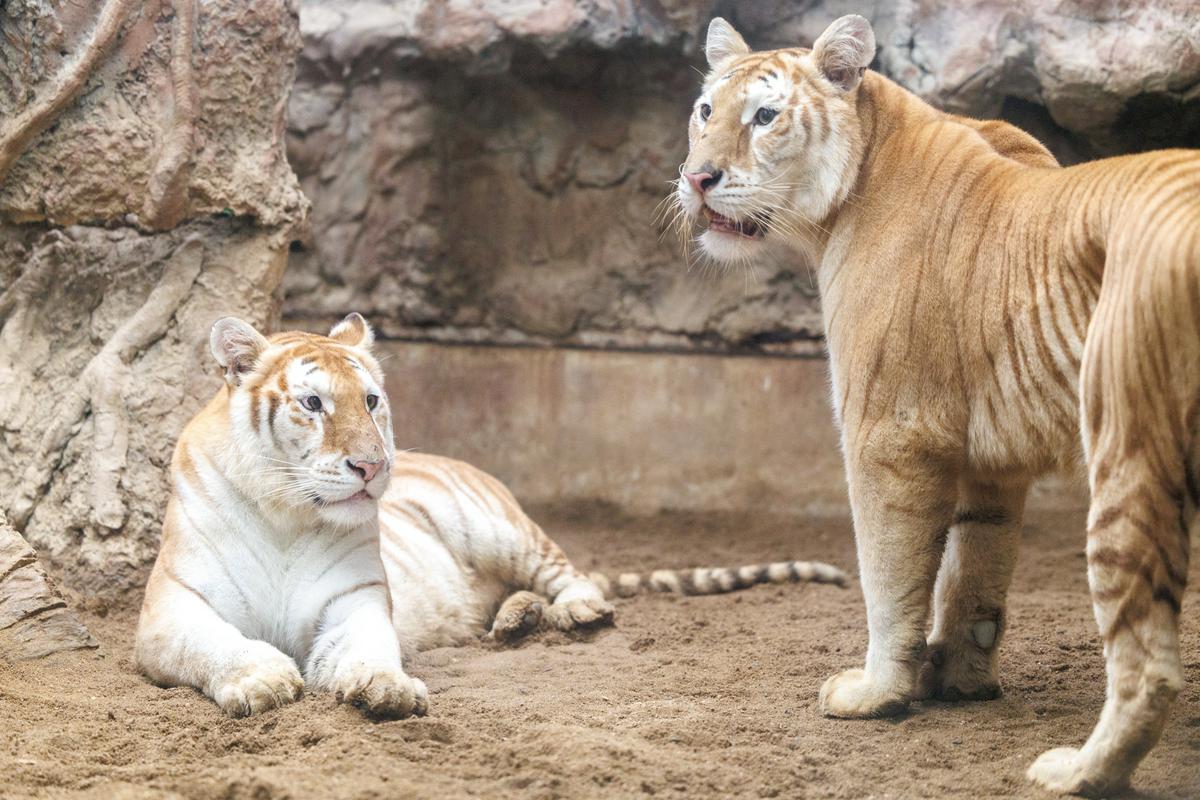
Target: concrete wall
[(645, 431)]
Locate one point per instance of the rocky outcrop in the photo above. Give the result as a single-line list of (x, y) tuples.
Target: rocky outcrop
[(1111, 77), (144, 192), (34, 618), (490, 172)]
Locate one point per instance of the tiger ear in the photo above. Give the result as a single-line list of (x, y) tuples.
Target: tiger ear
[(236, 346), (844, 50), (723, 43), (353, 330)]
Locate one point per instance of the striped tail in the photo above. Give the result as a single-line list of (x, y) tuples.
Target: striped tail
[(717, 580)]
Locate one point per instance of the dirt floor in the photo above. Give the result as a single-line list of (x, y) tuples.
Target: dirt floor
[(686, 697)]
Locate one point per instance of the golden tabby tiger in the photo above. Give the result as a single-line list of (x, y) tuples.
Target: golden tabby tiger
[(990, 316), (288, 560)]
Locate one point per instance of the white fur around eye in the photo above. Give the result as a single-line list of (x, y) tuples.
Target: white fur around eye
[(761, 95)]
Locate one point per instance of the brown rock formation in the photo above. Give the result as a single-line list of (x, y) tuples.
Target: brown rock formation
[(144, 192), (34, 618)]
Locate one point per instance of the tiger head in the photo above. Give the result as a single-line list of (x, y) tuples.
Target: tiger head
[(311, 426), (774, 138)]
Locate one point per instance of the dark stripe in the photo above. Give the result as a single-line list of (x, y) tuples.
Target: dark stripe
[(272, 409), (687, 582), (1193, 489), (1163, 594), (254, 410), (1127, 562), (983, 516), (421, 511)]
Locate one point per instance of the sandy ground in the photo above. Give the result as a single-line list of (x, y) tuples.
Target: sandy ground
[(686, 697)]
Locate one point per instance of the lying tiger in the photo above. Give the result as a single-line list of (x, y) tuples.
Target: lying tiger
[(286, 561), (986, 311)]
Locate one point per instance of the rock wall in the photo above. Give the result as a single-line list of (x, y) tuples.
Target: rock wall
[(490, 172), (144, 192)]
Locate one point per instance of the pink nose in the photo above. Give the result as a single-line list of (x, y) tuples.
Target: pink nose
[(365, 469), (703, 181), (697, 179)]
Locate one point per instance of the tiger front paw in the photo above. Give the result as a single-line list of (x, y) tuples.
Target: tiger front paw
[(575, 614), (383, 691), (1066, 770), (853, 695), (267, 679)]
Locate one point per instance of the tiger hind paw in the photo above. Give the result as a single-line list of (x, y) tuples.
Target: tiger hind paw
[(518, 616)]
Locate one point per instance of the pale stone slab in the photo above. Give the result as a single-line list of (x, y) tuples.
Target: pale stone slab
[(34, 618)]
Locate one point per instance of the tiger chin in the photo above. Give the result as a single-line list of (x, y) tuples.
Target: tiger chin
[(300, 550), (986, 311)]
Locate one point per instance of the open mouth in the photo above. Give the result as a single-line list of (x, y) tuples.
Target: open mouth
[(747, 228)]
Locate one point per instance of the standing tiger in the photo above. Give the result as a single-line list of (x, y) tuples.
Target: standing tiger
[(990, 316), (287, 561)]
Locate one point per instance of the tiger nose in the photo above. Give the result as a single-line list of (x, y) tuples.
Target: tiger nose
[(365, 469), (703, 181)]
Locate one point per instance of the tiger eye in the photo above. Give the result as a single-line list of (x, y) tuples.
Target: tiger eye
[(764, 116)]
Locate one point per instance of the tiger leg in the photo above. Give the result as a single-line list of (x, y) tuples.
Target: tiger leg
[(183, 641), (505, 547), (577, 602), (902, 507), (1141, 463), (536, 566), (969, 596), (1137, 565), (356, 655)]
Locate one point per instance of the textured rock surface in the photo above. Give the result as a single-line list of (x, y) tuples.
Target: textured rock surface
[(1114, 77), (489, 171), (97, 161), (494, 208), (34, 618), (139, 208)]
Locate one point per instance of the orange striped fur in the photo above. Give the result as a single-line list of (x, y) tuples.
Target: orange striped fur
[(990, 317)]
